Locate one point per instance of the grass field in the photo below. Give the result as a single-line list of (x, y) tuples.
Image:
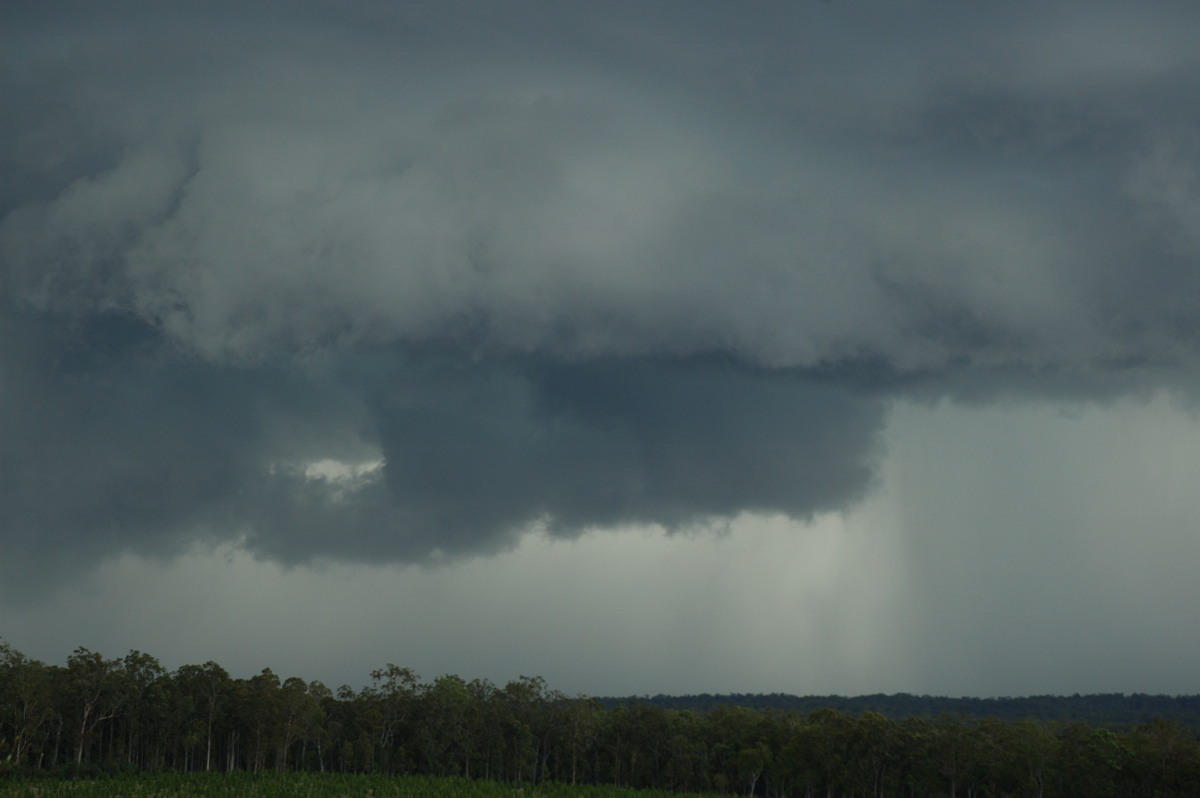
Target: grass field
[(300, 785)]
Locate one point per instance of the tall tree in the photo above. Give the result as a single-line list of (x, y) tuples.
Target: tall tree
[(258, 699), (94, 693), (143, 712), (394, 694), (25, 702), (207, 687), (299, 715)]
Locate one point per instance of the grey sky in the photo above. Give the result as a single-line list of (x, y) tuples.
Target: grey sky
[(907, 290)]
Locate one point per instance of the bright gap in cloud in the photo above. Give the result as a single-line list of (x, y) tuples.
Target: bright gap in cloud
[(331, 470), (339, 478)]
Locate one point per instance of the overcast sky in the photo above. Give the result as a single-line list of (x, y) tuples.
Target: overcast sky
[(812, 347)]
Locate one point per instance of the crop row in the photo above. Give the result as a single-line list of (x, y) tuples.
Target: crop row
[(302, 785)]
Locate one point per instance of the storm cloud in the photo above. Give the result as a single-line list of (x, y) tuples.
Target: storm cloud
[(402, 283)]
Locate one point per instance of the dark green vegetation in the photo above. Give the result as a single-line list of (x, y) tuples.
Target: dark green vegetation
[(97, 716), (1103, 709), (306, 785)]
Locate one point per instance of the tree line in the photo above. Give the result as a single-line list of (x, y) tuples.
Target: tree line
[(130, 714), (1097, 709)]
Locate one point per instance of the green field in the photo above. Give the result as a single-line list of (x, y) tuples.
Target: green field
[(302, 785)]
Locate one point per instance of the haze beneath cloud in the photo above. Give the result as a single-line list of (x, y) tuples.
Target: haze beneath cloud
[(459, 294)]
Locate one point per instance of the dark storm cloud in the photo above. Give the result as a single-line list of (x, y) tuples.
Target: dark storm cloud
[(474, 453), (113, 442), (400, 281)]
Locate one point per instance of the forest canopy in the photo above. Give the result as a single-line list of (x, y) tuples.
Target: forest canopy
[(97, 715)]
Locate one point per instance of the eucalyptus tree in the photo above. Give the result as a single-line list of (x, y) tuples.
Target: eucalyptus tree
[(93, 692), (298, 714), (142, 716), (444, 735), (206, 691), (26, 704), (583, 721), (394, 694), (259, 718), (521, 710)]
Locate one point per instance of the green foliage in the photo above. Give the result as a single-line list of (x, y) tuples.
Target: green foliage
[(97, 723), (1102, 709)]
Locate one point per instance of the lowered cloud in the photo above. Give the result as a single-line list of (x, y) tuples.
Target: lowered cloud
[(406, 283)]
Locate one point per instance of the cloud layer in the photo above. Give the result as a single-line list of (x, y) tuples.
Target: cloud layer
[(401, 283)]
